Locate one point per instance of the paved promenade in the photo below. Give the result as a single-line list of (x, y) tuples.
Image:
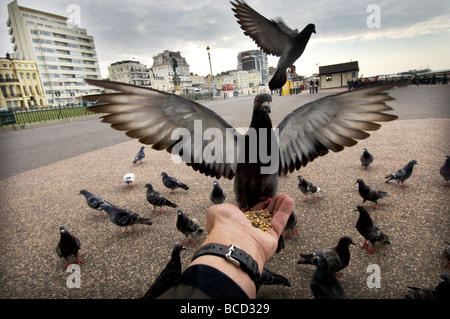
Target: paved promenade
[(36, 200)]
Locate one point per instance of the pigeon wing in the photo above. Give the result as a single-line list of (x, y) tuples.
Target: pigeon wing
[(153, 117), (330, 123), (271, 36)]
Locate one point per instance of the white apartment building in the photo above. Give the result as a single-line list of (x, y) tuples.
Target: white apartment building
[(131, 72), (162, 68), (64, 52)]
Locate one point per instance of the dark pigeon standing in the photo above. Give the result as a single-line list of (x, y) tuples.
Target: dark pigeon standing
[(269, 278), (338, 257), (446, 254), (369, 194), (369, 230), (168, 276), (187, 227), (445, 171), (290, 225), (172, 183), (402, 174), (307, 187), (440, 291), (217, 195), (139, 156), (366, 159), (156, 199), (324, 285), (124, 218), (68, 246), (273, 37), (94, 201), (312, 130)]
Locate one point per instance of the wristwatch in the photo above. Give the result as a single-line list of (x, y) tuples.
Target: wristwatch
[(236, 256)]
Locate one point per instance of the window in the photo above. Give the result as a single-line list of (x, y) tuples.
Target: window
[(328, 78)]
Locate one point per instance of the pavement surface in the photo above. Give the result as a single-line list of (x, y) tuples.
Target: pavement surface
[(43, 194)]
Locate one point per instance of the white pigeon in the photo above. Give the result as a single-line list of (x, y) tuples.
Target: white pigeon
[(129, 179)]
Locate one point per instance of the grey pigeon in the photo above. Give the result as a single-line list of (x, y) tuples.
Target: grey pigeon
[(324, 285), (172, 183), (402, 174), (440, 291), (187, 227), (139, 156), (366, 159), (217, 195), (94, 201), (445, 171), (124, 218), (290, 225), (338, 257), (68, 246), (369, 194), (446, 254), (307, 187), (269, 278), (168, 276), (156, 199), (273, 37), (330, 123), (371, 233)]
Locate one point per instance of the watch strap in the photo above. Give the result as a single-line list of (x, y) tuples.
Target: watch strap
[(236, 256)]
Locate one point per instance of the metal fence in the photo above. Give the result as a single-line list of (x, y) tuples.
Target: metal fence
[(27, 116)]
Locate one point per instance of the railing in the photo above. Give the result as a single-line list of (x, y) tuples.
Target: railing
[(28, 116)]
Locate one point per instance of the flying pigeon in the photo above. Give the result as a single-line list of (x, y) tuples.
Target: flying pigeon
[(369, 230), (187, 227), (310, 131), (307, 187), (68, 245), (402, 174), (156, 199), (172, 183), (129, 179), (338, 257), (168, 276), (273, 37), (123, 217), (217, 195), (269, 278), (290, 225), (366, 159), (440, 291), (446, 254), (139, 156), (94, 201), (369, 194), (445, 171), (324, 285)]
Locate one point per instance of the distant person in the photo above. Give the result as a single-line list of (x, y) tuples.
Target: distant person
[(311, 86), (317, 86)]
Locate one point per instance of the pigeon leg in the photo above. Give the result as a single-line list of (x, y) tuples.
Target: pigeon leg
[(364, 244), (447, 264), (371, 250), (133, 228), (66, 264), (285, 235), (315, 198), (304, 200), (100, 214), (171, 192), (161, 210), (80, 261), (446, 184), (375, 206), (123, 231), (338, 274)]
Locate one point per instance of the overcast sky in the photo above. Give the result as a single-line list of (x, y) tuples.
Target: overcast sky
[(412, 34)]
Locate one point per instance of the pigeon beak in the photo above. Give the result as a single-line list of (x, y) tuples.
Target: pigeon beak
[(266, 106)]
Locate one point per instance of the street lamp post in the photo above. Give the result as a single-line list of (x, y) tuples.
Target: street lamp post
[(211, 79)]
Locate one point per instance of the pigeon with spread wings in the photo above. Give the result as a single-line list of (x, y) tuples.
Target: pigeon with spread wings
[(273, 37), (330, 123)]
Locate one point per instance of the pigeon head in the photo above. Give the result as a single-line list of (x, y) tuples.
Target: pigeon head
[(447, 159), (178, 248), (84, 192), (319, 259), (149, 186), (412, 163), (164, 174), (345, 241), (300, 178), (360, 181), (62, 229), (215, 183), (311, 28), (262, 102)]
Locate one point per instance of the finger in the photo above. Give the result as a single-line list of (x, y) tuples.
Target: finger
[(283, 209)]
